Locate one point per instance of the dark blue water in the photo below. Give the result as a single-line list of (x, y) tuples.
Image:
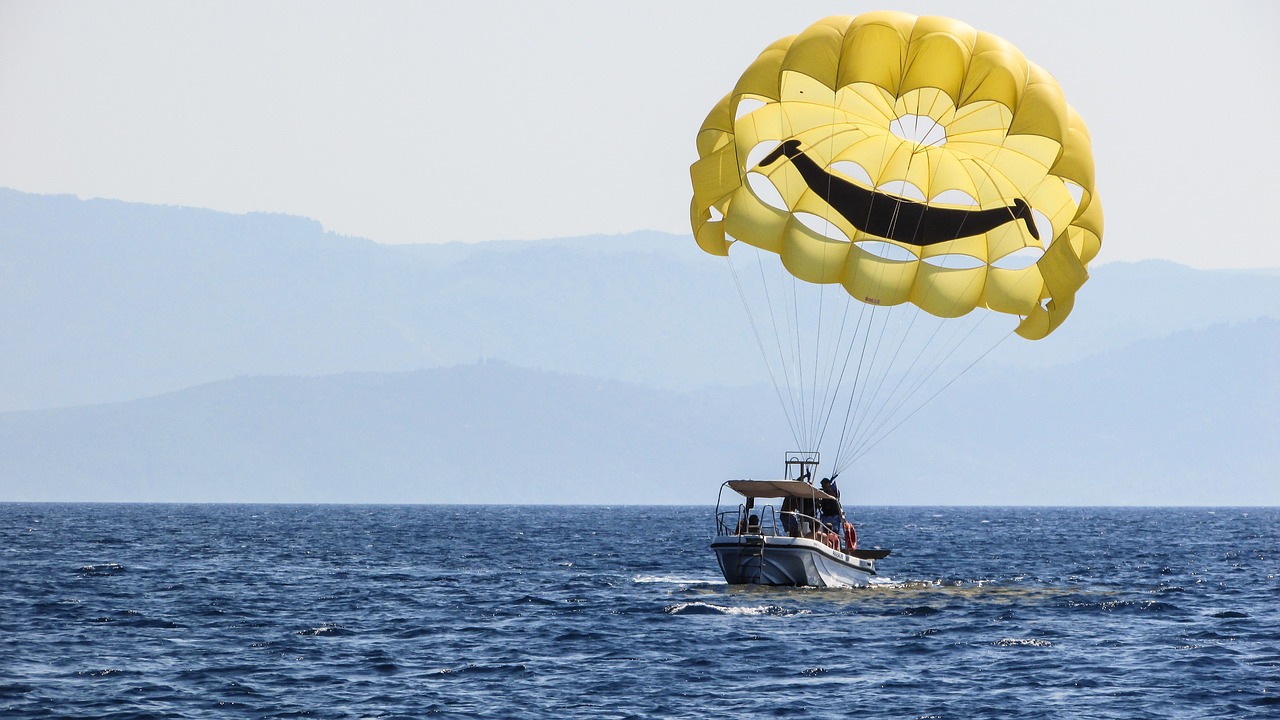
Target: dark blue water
[(157, 611)]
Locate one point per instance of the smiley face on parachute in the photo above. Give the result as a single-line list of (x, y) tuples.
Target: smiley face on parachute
[(909, 160)]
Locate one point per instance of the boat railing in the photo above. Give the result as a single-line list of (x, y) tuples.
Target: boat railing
[(797, 520), (739, 521), (772, 525), (727, 522)]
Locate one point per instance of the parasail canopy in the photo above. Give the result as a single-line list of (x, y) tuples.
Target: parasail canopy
[(910, 160)]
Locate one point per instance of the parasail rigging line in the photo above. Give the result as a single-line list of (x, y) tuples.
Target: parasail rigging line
[(760, 343), (860, 443), (856, 412), (832, 396), (934, 395)]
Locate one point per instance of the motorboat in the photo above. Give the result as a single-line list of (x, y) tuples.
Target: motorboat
[(760, 543)]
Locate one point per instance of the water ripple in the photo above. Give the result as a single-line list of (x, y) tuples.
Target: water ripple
[(124, 611)]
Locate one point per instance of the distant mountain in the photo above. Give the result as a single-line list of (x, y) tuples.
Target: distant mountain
[(487, 432), (1129, 302), (1189, 419), (104, 301), (1186, 419), (162, 353)]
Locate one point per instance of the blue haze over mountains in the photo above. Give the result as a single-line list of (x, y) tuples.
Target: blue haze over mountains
[(178, 354)]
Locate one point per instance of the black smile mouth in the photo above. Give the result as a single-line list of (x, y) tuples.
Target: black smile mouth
[(906, 221)]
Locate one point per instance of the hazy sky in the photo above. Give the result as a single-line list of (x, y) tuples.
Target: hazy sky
[(418, 122)]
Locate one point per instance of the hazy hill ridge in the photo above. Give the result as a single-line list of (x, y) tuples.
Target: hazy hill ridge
[(103, 300), (1198, 427), (258, 357)]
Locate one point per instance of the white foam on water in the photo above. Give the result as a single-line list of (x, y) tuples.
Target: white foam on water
[(677, 579), (1023, 642), (704, 608)]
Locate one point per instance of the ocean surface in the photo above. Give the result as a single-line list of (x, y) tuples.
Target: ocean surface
[(272, 611)]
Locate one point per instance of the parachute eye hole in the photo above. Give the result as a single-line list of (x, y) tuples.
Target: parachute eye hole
[(853, 171), (952, 196), (746, 106), (902, 189), (919, 129), (954, 261), (822, 226), (1076, 192), (766, 191), (886, 251), (757, 153), (1019, 259), (1043, 226)]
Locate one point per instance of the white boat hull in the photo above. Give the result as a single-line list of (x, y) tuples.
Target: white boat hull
[(773, 560)]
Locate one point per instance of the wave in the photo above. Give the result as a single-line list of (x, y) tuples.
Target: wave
[(107, 672), (1154, 606), (482, 669), (326, 630), (102, 569), (1229, 615), (984, 620), (1022, 642), (919, 611), (704, 608), (534, 600)]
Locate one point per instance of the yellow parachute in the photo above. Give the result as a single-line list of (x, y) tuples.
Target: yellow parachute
[(910, 160)]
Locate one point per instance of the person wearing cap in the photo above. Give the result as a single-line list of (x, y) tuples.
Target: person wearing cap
[(830, 509)]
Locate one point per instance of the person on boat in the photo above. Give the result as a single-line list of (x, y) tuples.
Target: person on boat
[(789, 523), (748, 518), (830, 509), (807, 507)]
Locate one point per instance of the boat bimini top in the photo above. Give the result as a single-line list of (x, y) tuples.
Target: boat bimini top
[(778, 489)]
